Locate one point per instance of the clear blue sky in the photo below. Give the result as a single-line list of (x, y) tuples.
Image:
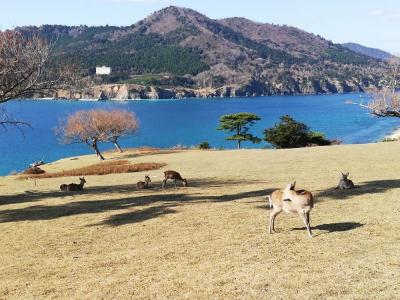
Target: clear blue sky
[(369, 22)]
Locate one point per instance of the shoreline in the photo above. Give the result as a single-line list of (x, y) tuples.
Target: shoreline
[(216, 97), (394, 135)]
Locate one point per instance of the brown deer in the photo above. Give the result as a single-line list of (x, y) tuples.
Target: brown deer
[(291, 201), (140, 185), (345, 183), (73, 186), (175, 176)]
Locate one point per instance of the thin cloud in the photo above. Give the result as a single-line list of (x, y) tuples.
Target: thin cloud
[(130, 1), (396, 16), (383, 14), (377, 12)]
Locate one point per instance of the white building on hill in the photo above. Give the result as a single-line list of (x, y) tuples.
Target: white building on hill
[(103, 70)]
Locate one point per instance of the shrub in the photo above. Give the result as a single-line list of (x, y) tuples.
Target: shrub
[(318, 138), (33, 171), (204, 146), (292, 134), (336, 142), (388, 139)]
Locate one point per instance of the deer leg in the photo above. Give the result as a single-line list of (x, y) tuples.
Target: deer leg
[(308, 219), (164, 183), (273, 220), (272, 217), (175, 182), (303, 216)]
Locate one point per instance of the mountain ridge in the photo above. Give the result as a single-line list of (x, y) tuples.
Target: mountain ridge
[(369, 51), (183, 48)]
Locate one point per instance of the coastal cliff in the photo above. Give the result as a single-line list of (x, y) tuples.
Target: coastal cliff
[(253, 89)]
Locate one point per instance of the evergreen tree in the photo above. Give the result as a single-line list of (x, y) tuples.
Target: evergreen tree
[(292, 134), (240, 124)]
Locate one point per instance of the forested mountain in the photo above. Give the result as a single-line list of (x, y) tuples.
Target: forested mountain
[(179, 47), (371, 52)]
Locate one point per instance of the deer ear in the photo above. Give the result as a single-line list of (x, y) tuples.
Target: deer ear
[(288, 187), (293, 185)]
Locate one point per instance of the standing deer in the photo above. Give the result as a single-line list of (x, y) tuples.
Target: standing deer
[(140, 185), (291, 201), (175, 176), (73, 186), (344, 182)]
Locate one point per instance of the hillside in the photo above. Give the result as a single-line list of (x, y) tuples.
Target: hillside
[(371, 52), (179, 47), (208, 240)]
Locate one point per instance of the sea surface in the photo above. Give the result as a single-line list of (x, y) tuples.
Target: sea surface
[(166, 123)]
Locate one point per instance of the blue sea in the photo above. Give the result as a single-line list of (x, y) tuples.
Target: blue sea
[(166, 123)]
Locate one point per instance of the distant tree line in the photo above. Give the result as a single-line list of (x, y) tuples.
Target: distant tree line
[(138, 53)]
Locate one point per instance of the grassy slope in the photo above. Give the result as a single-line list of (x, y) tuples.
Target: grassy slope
[(208, 240)]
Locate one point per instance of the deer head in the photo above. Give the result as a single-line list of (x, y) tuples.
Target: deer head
[(345, 175)]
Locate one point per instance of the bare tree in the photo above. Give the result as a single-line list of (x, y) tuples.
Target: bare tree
[(386, 101), (119, 123), (97, 125), (22, 65), (24, 70), (81, 128)]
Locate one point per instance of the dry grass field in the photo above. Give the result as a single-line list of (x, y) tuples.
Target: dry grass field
[(208, 240)]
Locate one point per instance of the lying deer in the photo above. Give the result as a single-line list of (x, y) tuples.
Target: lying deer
[(140, 185), (291, 201), (73, 186), (175, 176), (345, 183)]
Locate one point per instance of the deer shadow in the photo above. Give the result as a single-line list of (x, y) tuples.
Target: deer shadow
[(334, 227)]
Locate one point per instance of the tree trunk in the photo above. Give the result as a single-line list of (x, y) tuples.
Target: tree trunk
[(238, 132), (117, 146), (96, 149), (98, 153)]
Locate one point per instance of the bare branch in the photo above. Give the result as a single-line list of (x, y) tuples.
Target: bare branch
[(25, 70), (93, 126), (386, 101)]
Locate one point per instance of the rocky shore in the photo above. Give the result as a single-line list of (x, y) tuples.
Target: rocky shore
[(394, 135), (252, 89)]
